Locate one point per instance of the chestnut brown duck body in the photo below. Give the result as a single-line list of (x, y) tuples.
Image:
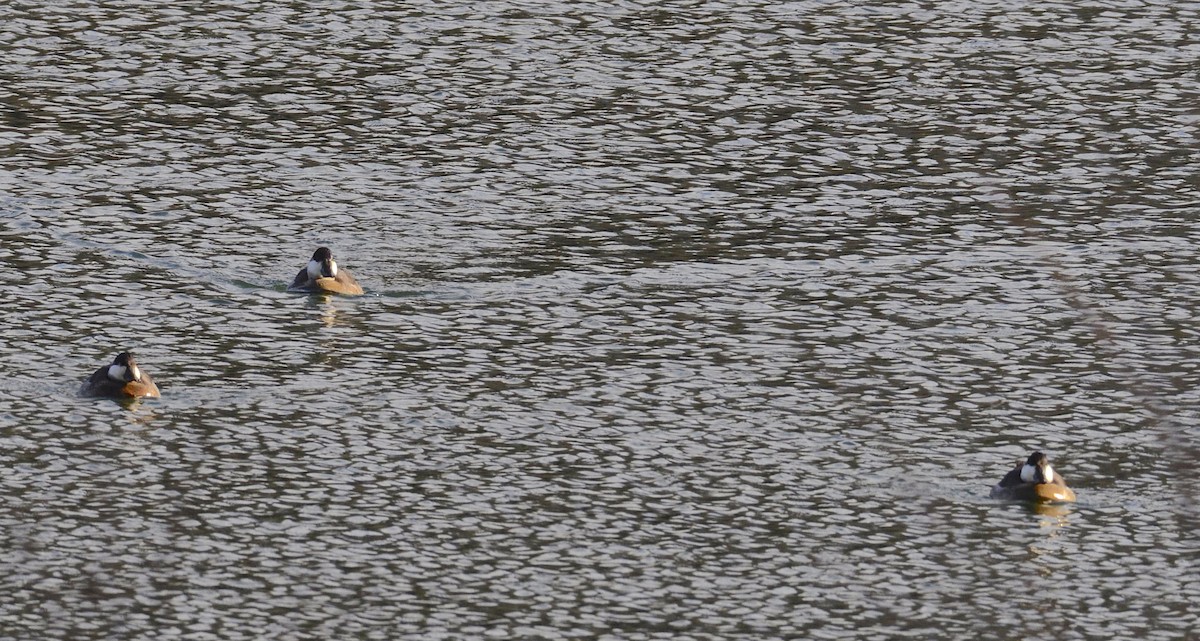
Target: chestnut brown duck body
[(322, 274), (122, 379), (1033, 480)]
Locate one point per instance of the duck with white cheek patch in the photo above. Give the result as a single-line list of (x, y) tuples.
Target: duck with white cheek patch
[(1033, 480), (122, 379), (322, 274)]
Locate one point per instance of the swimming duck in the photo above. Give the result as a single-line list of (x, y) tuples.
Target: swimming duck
[(1033, 480), (122, 379), (322, 275)]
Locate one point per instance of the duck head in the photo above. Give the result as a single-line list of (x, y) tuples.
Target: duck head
[(1037, 469), (322, 265), (124, 369)]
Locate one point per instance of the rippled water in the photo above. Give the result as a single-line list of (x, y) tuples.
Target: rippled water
[(685, 320)]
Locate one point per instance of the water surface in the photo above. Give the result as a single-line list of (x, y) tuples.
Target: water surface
[(690, 320)]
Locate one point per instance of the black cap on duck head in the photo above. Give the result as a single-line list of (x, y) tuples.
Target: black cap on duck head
[(1037, 469), (124, 368), (322, 265)]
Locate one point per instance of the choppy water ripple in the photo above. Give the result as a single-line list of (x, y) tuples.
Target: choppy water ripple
[(686, 321)]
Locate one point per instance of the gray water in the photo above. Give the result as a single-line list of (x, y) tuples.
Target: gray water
[(685, 320)]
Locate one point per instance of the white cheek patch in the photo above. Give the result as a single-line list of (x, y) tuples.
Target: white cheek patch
[(314, 269), (1048, 472), (1028, 473), (332, 268), (116, 372), (137, 373)]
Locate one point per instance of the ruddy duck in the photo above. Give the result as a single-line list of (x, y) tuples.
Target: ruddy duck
[(122, 379), (1033, 480), (322, 275)]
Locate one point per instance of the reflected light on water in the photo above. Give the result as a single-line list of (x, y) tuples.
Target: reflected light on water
[(686, 321)]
